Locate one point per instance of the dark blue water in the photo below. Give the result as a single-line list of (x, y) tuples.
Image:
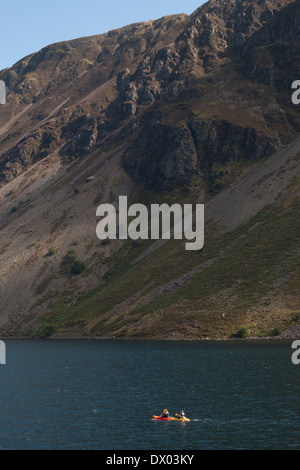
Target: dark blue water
[(101, 395)]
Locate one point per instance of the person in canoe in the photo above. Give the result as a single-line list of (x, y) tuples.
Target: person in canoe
[(165, 414), (181, 415)]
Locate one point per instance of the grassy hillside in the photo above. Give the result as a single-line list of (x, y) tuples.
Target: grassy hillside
[(248, 277)]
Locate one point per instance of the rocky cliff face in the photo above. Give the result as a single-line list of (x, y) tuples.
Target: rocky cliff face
[(177, 154), (221, 35), (269, 54), (75, 97), (186, 105)]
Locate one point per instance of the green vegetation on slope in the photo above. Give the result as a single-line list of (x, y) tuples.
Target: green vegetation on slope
[(232, 283)]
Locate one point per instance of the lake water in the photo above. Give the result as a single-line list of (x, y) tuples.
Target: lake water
[(69, 394)]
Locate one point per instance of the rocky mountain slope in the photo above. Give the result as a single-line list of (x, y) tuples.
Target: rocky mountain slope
[(181, 109)]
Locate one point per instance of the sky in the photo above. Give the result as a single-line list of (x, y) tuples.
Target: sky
[(29, 25)]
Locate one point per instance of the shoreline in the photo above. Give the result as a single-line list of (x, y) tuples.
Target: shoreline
[(137, 339)]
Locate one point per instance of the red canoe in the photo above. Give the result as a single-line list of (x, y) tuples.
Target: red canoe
[(163, 419), (171, 419)]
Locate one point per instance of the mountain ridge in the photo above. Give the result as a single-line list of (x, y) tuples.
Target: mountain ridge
[(182, 109)]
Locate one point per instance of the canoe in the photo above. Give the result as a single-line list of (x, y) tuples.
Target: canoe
[(171, 419), (180, 419)]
